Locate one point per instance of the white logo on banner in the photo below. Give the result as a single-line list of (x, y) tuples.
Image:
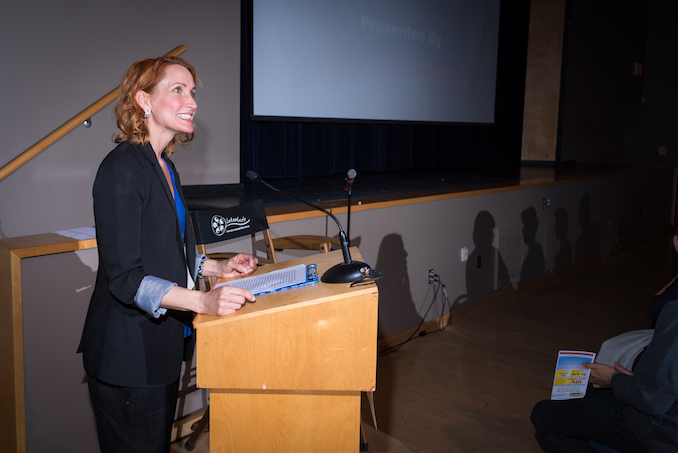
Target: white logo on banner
[(221, 225)]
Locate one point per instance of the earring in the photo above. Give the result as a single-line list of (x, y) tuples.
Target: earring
[(147, 112)]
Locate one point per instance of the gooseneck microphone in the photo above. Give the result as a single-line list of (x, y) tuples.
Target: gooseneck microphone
[(347, 272)]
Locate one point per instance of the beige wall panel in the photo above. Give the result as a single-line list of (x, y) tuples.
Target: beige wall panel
[(542, 81)]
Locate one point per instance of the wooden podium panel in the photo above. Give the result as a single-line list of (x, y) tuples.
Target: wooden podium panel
[(311, 347), (286, 371), (265, 421)]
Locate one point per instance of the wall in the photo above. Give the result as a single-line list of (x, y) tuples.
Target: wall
[(60, 57), (512, 235), (59, 417), (531, 237), (656, 116), (543, 80), (608, 114)]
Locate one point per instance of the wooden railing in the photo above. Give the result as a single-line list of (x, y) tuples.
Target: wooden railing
[(68, 126)]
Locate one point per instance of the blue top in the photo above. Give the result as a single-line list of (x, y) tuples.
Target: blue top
[(178, 202)]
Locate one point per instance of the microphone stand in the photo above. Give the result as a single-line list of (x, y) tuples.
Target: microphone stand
[(347, 272), (350, 177), (348, 215)]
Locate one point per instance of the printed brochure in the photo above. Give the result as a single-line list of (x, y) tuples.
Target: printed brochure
[(571, 378)]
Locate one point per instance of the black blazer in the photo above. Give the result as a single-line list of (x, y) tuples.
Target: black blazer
[(138, 234)]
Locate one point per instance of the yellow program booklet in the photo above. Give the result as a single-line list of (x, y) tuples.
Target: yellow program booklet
[(571, 378)]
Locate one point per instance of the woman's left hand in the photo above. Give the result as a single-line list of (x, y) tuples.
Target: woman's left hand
[(241, 264)]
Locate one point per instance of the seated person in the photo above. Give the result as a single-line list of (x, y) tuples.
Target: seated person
[(666, 294), (630, 411)]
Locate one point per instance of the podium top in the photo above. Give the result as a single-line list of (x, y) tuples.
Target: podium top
[(305, 295)]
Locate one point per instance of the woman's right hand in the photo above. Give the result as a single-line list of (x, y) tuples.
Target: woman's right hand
[(225, 300)]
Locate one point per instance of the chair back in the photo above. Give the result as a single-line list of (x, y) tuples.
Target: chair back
[(223, 224)]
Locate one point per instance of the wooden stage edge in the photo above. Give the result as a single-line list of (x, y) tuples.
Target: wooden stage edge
[(49, 243), (531, 179)]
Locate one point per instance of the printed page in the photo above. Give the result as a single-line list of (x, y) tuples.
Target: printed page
[(78, 233), (571, 378), (271, 281)]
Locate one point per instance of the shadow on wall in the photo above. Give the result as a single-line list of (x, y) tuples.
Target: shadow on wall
[(400, 314), (631, 225), (534, 263), (486, 271), (564, 254), (588, 241), (394, 288), (643, 216)]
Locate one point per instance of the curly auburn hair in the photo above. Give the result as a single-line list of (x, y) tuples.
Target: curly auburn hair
[(144, 75)]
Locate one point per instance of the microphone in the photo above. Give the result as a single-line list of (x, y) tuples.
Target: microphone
[(347, 272), (350, 176)]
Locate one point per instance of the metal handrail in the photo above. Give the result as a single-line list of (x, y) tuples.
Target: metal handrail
[(68, 126)]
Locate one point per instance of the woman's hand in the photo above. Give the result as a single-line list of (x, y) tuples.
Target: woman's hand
[(601, 375), (240, 264), (224, 300), (217, 302)]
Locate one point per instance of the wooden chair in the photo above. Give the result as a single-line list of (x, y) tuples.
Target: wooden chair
[(212, 226), (364, 446)]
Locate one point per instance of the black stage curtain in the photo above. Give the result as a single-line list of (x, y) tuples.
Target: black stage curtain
[(293, 149)]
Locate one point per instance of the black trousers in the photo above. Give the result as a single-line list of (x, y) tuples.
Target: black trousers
[(569, 424), (133, 420)]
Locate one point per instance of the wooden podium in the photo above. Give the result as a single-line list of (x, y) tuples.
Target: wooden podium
[(285, 373)]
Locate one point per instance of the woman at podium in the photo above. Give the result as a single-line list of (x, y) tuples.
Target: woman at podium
[(138, 323)]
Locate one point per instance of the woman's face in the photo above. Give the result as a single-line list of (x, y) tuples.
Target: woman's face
[(172, 104)]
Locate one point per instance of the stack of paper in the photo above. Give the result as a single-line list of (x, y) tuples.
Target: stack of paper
[(276, 280)]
